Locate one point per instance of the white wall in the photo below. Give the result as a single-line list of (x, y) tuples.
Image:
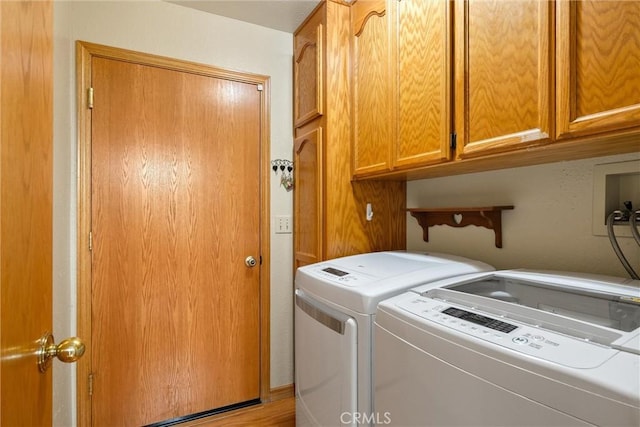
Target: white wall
[(156, 27), (549, 228)]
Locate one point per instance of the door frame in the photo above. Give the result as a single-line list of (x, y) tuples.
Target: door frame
[(85, 51)]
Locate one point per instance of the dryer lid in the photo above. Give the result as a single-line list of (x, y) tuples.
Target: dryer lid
[(359, 282)]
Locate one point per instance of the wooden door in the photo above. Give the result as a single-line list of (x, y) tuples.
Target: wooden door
[(598, 66), (26, 113), (373, 114), (175, 210), (308, 199), (422, 81), (504, 79)]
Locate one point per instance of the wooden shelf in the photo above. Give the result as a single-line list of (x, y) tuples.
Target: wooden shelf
[(488, 217)]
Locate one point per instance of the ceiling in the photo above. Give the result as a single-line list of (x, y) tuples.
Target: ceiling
[(283, 15)]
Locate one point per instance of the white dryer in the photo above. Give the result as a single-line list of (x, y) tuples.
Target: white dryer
[(335, 303), (510, 348)]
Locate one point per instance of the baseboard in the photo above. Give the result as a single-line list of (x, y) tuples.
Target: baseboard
[(282, 392)]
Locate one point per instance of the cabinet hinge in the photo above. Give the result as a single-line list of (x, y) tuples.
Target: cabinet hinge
[(90, 241), (90, 384), (90, 97), (453, 142)]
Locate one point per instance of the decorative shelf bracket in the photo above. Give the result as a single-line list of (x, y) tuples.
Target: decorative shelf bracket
[(488, 217)]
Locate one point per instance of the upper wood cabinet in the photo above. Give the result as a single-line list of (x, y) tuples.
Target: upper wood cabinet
[(598, 66), (401, 84), (308, 76), (504, 76), (510, 83)]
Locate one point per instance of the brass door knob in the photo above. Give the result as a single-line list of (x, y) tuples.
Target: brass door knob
[(68, 351), (250, 262)]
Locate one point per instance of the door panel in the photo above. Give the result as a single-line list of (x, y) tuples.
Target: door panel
[(26, 89), (423, 81), (307, 71), (175, 211), (372, 94), (598, 59), (504, 78), (325, 380), (308, 201)]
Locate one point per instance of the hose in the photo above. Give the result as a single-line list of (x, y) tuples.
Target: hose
[(633, 220), (616, 248)]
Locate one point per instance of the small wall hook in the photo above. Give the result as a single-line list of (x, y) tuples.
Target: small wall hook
[(286, 170)]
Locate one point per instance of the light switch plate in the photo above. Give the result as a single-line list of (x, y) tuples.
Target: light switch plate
[(283, 224)]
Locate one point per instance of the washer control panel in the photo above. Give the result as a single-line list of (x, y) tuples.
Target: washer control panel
[(517, 336), (337, 275)]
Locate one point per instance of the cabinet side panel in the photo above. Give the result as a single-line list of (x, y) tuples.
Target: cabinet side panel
[(387, 229)]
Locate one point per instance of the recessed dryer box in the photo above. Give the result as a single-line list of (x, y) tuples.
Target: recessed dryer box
[(613, 184)]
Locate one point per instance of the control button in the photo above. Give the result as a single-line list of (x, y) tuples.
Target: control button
[(520, 340)]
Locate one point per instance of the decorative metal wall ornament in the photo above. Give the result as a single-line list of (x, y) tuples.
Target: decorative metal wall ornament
[(285, 168)]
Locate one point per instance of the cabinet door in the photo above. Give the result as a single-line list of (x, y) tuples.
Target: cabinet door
[(372, 112), (307, 205), (503, 74), (598, 66), (307, 70), (422, 81)]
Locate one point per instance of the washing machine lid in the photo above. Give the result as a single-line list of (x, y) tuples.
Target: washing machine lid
[(359, 282), (597, 309)]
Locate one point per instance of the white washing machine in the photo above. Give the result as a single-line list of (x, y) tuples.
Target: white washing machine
[(335, 303), (510, 348)]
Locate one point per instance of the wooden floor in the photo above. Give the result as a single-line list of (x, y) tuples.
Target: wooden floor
[(281, 413)]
